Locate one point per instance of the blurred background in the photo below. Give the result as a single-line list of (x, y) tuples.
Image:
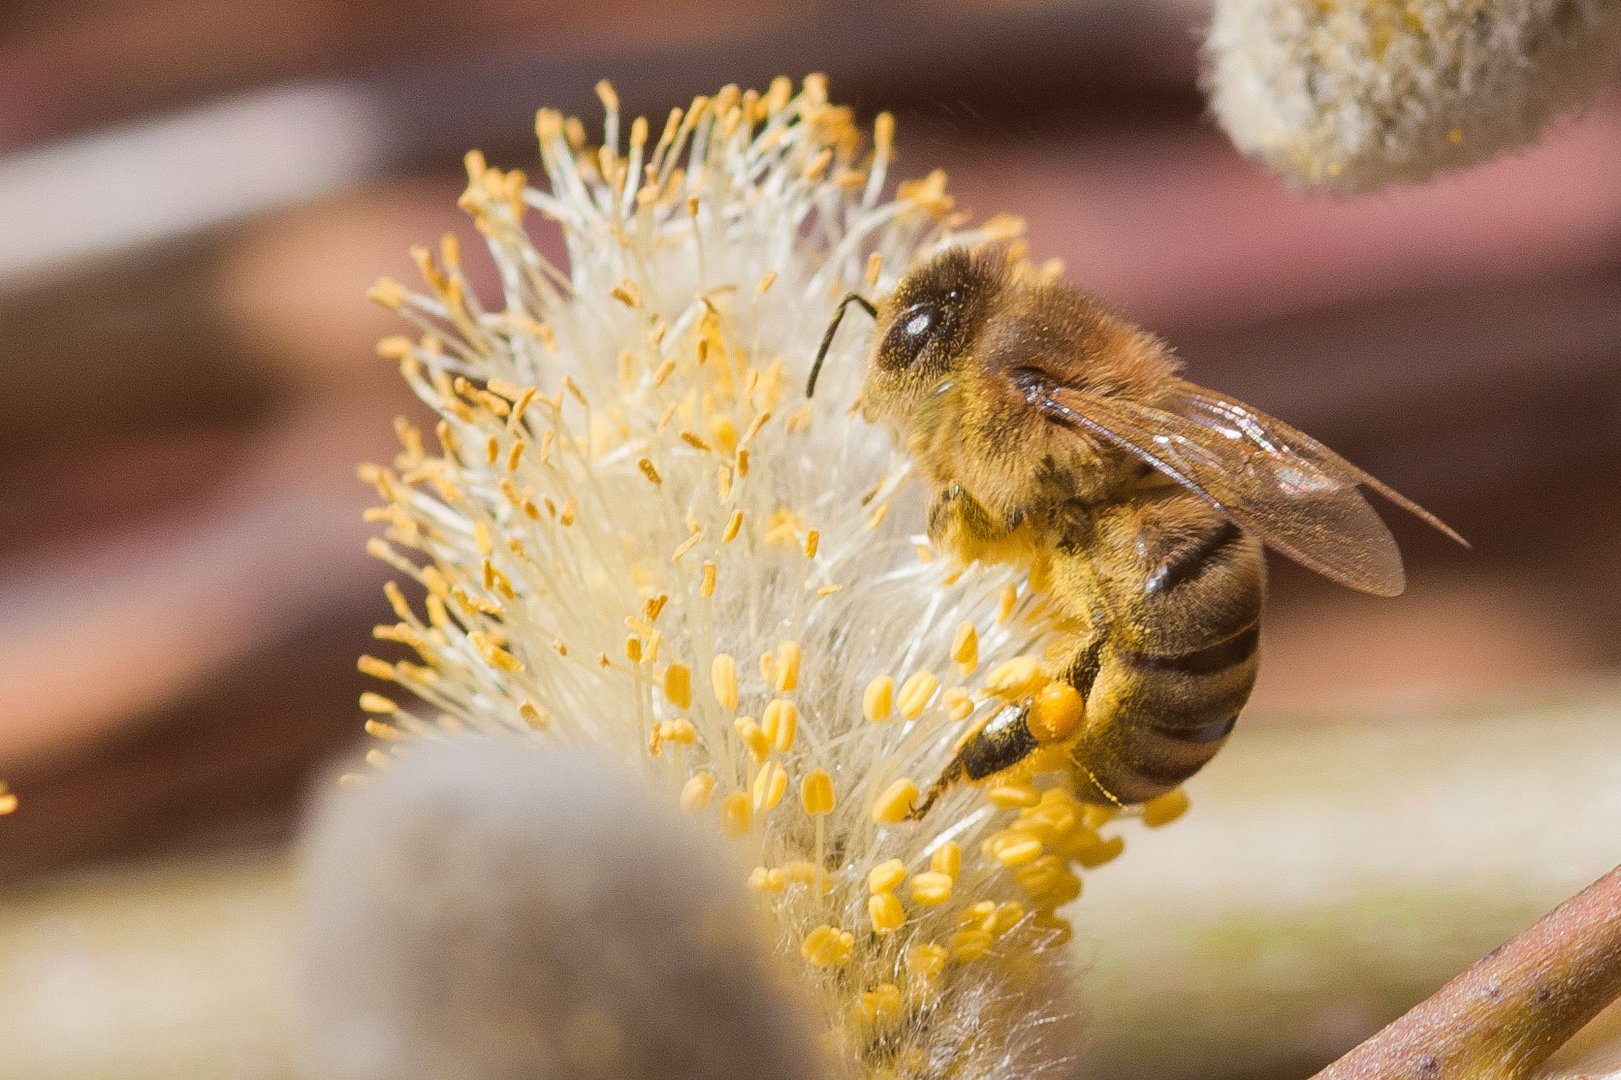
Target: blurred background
[(194, 197)]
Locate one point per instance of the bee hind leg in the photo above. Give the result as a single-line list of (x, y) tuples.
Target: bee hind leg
[(1001, 743)]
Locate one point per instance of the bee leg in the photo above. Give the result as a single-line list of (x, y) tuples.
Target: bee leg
[(999, 745), (959, 524)]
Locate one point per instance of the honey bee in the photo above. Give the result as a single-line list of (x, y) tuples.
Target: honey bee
[(1058, 437)]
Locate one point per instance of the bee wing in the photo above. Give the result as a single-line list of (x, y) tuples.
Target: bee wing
[(1286, 487)]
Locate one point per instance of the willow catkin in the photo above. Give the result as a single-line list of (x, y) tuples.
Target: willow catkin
[(485, 911), (1355, 95)]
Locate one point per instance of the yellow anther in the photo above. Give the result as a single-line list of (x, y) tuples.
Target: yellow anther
[(695, 793), (706, 585), (1099, 852), (532, 715), (678, 731), (785, 672), (736, 814), (886, 876), (880, 1006), (878, 702), (1006, 916), (1015, 678), (762, 879), (798, 872), (916, 692), (813, 540), (931, 888), (816, 793), (895, 803), (633, 648), (1014, 847), (377, 703), (678, 685), (733, 524), (377, 669), (1054, 930), (1009, 796), (753, 737), (723, 680), (886, 912), (1006, 603), (8, 801), (723, 431), (1165, 809), (379, 730), (828, 946), (926, 961), (947, 859), (781, 723), (1056, 713), (965, 648), (649, 470), (969, 945), (769, 787), (958, 702), (1097, 815)]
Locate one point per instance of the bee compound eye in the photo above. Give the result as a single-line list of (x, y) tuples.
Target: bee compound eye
[(912, 330)]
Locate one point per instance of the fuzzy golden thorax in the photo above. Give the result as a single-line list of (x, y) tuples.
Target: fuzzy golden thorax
[(957, 341)]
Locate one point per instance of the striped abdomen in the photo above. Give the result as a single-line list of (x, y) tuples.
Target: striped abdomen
[(1172, 592)]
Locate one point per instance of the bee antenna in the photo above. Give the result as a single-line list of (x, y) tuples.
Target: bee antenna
[(832, 328)]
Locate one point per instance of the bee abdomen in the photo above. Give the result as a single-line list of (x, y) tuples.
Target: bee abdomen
[(1179, 653)]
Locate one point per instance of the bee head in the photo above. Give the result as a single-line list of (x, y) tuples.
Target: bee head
[(928, 326)]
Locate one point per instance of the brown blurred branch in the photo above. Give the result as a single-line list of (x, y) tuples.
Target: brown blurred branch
[(1514, 1008)]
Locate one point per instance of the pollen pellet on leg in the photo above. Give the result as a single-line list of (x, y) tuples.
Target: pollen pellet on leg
[(886, 876), (723, 678), (1056, 712), (878, 702), (895, 803), (678, 685), (736, 815), (816, 793), (947, 859), (695, 793), (916, 692), (1014, 678), (785, 671), (965, 648), (770, 786), (931, 888)]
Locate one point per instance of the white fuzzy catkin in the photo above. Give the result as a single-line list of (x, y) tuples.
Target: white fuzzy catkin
[(486, 911), (1355, 95)]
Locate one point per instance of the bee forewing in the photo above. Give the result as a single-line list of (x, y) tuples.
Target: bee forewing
[(1295, 494), (1228, 416)]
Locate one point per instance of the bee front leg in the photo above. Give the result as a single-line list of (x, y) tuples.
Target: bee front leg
[(959, 524)]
